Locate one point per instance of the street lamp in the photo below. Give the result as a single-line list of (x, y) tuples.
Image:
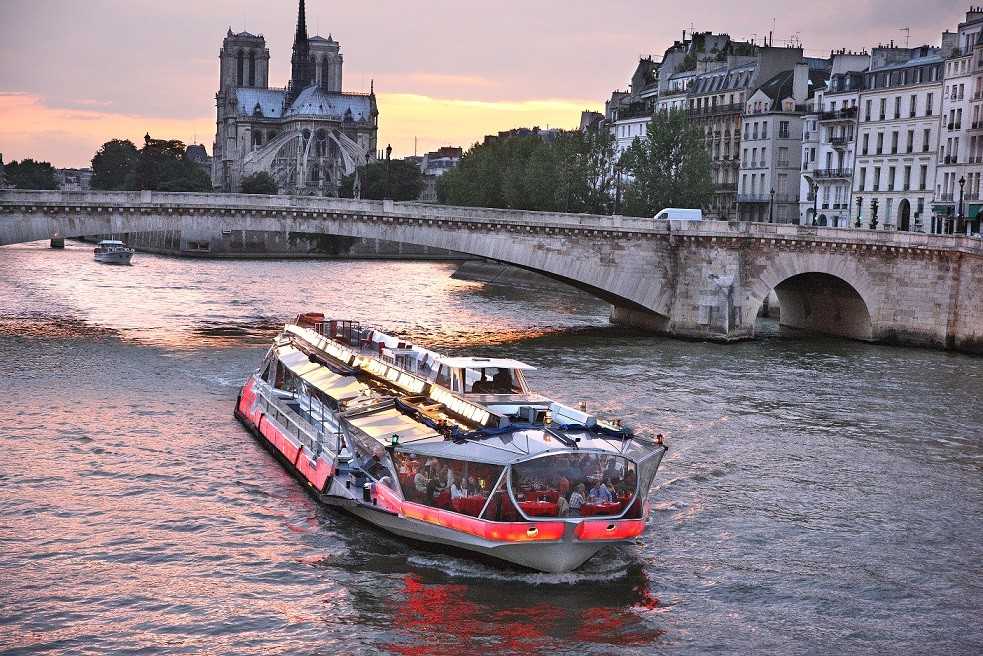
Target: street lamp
[(860, 205), (618, 168), (389, 152), (771, 207), (873, 214), (815, 202), (959, 220)]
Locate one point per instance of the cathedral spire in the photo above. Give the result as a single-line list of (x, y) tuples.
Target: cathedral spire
[(301, 73)]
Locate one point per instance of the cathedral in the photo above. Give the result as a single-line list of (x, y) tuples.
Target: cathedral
[(307, 136)]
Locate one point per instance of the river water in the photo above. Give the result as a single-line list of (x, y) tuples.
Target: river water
[(819, 496)]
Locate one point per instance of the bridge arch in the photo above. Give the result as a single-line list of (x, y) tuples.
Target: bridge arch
[(819, 293)]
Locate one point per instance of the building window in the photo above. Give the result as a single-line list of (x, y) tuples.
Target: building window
[(862, 180), (911, 141), (894, 143), (880, 143), (764, 129), (928, 104), (783, 129), (897, 107), (867, 111), (890, 179), (926, 140), (866, 145), (883, 108), (907, 179), (912, 106), (877, 178), (923, 177)]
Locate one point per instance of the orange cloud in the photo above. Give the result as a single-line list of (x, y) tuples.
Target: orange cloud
[(69, 137)]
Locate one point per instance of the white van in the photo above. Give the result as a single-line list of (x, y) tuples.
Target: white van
[(677, 214)]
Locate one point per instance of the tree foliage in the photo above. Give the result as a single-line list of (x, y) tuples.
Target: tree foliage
[(28, 174), (162, 166), (113, 163), (571, 173), (668, 167), (405, 181), (259, 183)]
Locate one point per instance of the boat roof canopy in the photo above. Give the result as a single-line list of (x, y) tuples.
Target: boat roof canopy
[(111, 242), (484, 363), (321, 378)]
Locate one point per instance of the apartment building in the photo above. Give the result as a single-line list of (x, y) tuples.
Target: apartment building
[(957, 181), (771, 147), (898, 132), (828, 157)]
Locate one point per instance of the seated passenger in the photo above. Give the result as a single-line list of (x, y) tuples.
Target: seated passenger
[(420, 481), (502, 382), (483, 386), (459, 491), (562, 507), (473, 486), (577, 499), (600, 493)]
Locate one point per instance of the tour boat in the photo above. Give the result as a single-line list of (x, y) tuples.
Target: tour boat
[(111, 251), (452, 451)]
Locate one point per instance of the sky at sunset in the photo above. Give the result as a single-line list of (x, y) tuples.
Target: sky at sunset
[(76, 73)]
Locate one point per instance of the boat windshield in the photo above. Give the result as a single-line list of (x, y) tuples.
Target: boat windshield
[(455, 485), (482, 380), (575, 485)]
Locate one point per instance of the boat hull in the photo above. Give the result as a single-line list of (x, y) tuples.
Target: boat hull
[(114, 258)]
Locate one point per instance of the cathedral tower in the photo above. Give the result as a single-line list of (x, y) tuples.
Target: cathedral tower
[(301, 70)]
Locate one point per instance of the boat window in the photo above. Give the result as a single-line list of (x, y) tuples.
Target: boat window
[(444, 376), (455, 485), (500, 507), (493, 380), (575, 485)]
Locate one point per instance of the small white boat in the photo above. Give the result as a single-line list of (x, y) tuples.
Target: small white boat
[(111, 251)]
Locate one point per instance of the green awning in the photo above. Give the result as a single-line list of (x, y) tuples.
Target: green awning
[(974, 210), (943, 208)]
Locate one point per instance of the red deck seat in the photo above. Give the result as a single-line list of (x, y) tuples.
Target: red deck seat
[(539, 508)]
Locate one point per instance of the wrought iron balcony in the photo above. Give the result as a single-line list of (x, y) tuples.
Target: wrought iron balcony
[(834, 173), (847, 114), (838, 142)]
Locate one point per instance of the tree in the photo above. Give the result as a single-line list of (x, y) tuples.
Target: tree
[(405, 181), (259, 183), (162, 166), (113, 163), (668, 167), (572, 172), (28, 174)]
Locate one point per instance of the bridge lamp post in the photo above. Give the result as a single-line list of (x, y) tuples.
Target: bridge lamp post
[(389, 152), (771, 207), (873, 214), (618, 169), (959, 222), (815, 202), (860, 205)]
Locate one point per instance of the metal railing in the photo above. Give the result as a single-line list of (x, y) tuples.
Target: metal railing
[(839, 115), (834, 173)]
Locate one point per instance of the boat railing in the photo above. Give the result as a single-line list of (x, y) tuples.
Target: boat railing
[(293, 423)]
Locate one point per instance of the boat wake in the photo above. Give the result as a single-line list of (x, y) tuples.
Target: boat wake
[(595, 571)]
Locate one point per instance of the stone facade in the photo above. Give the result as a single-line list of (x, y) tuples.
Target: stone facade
[(704, 280)]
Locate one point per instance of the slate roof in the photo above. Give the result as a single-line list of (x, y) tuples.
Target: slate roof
[(312, 101)]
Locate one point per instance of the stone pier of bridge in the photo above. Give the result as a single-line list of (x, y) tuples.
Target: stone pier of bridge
[(697, 280)]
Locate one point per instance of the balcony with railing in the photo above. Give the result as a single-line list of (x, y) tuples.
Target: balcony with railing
[(725, 187), (839, 142), (715, 110), (749, 199), (848, 114), (834, 173)]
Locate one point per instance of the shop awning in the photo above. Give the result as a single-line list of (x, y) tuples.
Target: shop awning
[(974, 210)]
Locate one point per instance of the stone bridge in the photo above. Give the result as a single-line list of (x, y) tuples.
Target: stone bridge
[(699, 280)]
